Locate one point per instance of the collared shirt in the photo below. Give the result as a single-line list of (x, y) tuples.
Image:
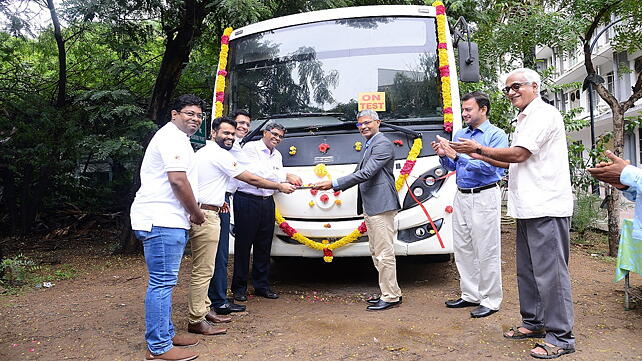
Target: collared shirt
[(155, 203), (335, 183), (238, 153), (473, 173), (216, 166), (263, 163), (632, 176), (541, 185)]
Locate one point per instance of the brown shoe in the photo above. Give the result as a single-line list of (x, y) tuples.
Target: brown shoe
[(214, 318), (184, 341), (174, 354), (205, 328)]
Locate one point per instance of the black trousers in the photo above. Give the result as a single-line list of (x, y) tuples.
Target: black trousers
[(254, 229)]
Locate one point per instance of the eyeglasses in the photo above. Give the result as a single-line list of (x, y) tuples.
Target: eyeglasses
[(276, 135), (514, 86), (192, 114), (367, 122)]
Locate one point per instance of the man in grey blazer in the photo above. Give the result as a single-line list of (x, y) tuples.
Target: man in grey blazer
[(377, 191)]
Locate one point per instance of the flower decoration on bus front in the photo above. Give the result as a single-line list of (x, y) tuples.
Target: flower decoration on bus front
[(357, 146), (221, 73), (444, 68), (292, 150), (323, 147)]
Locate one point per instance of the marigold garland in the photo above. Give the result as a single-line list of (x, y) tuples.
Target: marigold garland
[(221, 73), (444, 68), (328, 247)]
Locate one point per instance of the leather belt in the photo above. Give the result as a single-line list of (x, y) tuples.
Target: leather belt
[(209, 207), (478, 189)]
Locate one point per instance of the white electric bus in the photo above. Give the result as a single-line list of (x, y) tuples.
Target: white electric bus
[(306, 72)]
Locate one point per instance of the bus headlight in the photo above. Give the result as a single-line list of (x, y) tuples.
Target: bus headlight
[(424, 187)]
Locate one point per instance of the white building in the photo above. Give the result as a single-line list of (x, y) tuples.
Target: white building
[(619, 80)]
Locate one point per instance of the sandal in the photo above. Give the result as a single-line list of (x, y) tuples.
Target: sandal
[(551, 352), (518, 335)]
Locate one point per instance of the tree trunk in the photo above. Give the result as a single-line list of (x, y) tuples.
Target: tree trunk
[(9, 197), (614, 199), (179, 46), (62, 56)]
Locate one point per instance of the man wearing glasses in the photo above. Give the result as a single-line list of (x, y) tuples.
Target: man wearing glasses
[(380, 205), (217, 291), (161, 214), (540, 198), (254, 214)]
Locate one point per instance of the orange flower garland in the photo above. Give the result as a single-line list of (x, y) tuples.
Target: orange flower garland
[(221, 73), (444, 69)]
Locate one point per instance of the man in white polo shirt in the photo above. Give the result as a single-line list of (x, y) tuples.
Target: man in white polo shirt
[(161, 214), (216, 166), (540, 198)]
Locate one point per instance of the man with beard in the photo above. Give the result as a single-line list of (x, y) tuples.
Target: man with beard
[(217, 291), (216, 166)]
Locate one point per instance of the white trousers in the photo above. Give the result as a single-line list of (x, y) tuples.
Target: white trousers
[(477, 246)]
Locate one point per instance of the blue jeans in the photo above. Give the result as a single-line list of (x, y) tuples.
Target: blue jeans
[(163, 249), (217, 291)]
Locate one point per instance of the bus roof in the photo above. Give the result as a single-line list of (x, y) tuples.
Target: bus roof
[(334, 14)]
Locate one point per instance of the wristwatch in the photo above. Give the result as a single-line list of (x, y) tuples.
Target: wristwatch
[(479, 151)]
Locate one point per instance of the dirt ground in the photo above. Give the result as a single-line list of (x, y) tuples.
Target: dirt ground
[(98, 314)]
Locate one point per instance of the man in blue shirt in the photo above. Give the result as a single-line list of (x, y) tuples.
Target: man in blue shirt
[(476, 220)]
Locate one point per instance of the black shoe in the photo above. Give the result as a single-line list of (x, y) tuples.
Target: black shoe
[(236, 308), (481, 311), (459, 303), (240, 297), (382, 305), (373, 300), (228, 308), (267, 294)]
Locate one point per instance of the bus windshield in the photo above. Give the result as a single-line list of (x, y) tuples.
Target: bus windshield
[(311, 74)]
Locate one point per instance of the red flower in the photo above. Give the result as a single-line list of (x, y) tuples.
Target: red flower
[(336, 194), (225, 39), (287, 229), (398, 142), (362, 227), (220, 96), (449, 209), (314, 191), (324, 198), (448, 110), (323, 147), (448, 127), (327, 252), (440, 10), (222, 72), (407, 167), (442, 46)]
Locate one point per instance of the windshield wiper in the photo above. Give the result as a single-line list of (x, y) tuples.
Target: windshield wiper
[(303, 115)]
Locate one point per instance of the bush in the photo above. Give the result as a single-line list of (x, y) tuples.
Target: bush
[(587, 213), (14, 271)]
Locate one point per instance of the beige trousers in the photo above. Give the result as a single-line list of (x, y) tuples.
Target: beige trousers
[(204, 240), (381, 232)]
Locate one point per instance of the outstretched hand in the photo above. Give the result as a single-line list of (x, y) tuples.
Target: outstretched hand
[(467, 146), (609, 172), (324, 185)]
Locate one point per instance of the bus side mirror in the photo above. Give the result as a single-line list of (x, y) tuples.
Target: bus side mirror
[(468, 61)]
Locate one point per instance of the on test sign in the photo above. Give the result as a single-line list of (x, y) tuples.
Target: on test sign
[(374, 101)]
